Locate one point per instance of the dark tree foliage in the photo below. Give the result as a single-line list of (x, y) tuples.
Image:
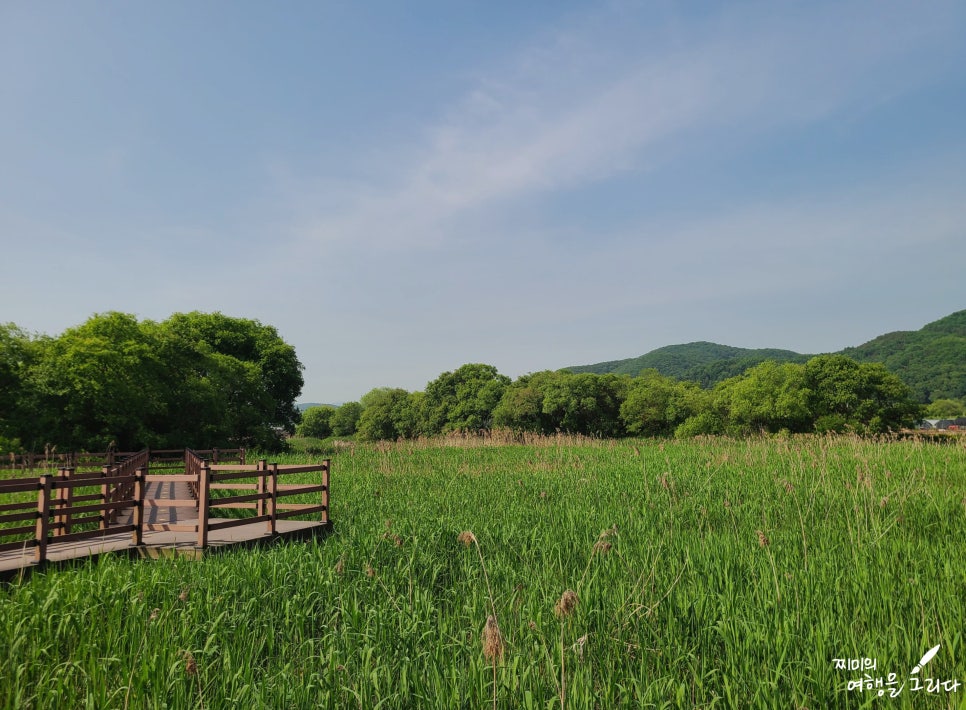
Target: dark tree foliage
[(546, 402), (259, 373), (18, 352)]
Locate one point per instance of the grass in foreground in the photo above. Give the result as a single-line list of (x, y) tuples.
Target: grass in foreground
[(702, 573)]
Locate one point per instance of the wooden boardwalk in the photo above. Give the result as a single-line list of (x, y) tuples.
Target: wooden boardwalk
[(14, 563), (176, 528)]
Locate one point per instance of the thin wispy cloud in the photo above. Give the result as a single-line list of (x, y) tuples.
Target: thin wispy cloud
[(532, 127)]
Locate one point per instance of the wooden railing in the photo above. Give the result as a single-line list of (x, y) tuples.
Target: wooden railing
[(54, 506), (85, 460), (56, 461), (119, 483), (57, 510), (266, 499)]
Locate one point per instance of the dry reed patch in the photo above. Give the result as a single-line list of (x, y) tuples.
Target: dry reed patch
[(493, 645), (566, 604)]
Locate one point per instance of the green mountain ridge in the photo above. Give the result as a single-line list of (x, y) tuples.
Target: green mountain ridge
[(931, 360)]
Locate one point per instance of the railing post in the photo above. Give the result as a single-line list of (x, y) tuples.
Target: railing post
[(68, 515), (204, 490), (260, 487), (43, 518), (59, 504), (214, 456), (137, 536), (105, 494), (273, 498), (241, 456), (325, 493)]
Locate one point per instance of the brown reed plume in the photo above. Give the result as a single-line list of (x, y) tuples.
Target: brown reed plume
[(493, 648), (762, 538), (566, 604), (191, 669), (564, 609), (493, 645)]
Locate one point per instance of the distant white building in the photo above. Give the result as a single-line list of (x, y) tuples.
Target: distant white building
[(943, 424)]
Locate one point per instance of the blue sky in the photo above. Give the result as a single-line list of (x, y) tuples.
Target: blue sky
[(401, 188)]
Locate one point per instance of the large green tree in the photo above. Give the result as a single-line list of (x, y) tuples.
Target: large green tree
[(521, 406), (387, 414), (463, 399), (195, 380), (256, 372), (769, 397), (858, 396), (97, 384), (345, 419), (655, 404), (316, 422), (586, 403), (18, 352)]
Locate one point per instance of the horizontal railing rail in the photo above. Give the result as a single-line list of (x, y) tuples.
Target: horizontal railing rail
[(53, 461)]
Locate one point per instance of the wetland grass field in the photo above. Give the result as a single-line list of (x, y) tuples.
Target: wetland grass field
[(557, 572)]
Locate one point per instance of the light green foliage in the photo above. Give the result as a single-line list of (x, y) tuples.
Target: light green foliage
[(703, 423), (97, 383), (946, 409), (725, 573), (316, 422)]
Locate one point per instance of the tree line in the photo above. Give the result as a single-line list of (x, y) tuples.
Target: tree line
[(206, 379), (195, 379), (828, 393)]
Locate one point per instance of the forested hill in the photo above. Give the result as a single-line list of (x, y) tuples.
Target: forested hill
[(702, 362), (932, 360)]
